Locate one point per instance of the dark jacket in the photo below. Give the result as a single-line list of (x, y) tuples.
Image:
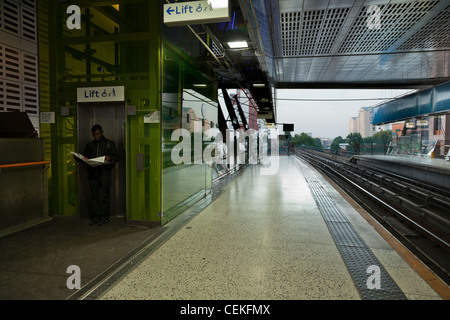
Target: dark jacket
[(104, 147)]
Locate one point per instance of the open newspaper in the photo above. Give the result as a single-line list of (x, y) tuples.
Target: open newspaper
[(94, 162)]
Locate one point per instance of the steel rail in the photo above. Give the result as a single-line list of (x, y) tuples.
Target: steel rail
[(405, 217)]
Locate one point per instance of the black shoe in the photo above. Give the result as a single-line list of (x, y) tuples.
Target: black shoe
[(103, 221)]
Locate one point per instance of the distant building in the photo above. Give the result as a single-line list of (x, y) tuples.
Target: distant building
[(249, 108), (362, 123), (365, 118), (439, 127), (397, 128), (353, 125), (326, 142)]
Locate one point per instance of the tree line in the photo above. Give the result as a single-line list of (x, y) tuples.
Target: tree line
[(382, 138), (304, 139)]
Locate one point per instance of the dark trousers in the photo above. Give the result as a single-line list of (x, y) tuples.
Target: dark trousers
[(101, 196)]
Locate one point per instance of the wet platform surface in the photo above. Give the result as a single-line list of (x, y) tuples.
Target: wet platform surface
[(263, 238), (34, 262)]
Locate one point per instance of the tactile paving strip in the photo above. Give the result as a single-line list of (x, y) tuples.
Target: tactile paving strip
[(356, 254)]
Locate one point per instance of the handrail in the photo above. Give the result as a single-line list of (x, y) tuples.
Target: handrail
[(24, 164)]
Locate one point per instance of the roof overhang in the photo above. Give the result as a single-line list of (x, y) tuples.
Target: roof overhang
[(300, 44)]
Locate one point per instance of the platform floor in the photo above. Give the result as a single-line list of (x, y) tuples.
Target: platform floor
[(264, 238), (433, 171), (33, 262)]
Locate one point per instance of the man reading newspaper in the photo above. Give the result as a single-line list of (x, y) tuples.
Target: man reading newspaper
[(100, 173)]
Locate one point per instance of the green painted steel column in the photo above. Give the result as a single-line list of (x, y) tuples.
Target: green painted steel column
[(144, 139)]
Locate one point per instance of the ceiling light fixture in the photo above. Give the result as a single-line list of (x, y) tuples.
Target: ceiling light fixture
[(238, 44)]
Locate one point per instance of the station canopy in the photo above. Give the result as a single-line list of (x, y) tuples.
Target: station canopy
[(349, 44)]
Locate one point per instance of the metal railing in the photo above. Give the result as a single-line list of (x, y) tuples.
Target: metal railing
[(404, 146)]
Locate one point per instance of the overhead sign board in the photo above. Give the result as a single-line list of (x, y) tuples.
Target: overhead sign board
[(101, 94), (421, 123), (196, 12), (265, 115), (288, 127)]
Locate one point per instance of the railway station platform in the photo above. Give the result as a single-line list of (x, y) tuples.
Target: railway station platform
[(434, 171), (286, 236)]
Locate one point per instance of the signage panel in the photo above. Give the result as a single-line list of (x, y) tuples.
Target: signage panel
[(101, 94), (196, 12), (47, 117), (265, 115), (152, 117), (422, 123)]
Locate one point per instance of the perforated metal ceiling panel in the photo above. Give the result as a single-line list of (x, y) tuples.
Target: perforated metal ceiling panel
[(330, 41), (311, 32), (395, 20)]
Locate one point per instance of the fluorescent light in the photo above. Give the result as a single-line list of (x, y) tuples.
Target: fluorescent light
[(260, 85), (200, 85), (238, 44)]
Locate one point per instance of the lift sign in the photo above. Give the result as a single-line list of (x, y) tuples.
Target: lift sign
[(100, 94), (196, 12)]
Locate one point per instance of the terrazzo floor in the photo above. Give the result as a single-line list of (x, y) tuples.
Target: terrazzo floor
[(263, 238)]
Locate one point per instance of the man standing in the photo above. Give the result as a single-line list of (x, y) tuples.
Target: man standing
[(100, 176)]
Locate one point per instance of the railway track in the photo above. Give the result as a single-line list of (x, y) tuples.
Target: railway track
[(418, 215)]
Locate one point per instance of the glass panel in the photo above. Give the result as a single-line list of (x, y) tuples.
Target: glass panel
[(404, 145), (416, 144), (189, 106)]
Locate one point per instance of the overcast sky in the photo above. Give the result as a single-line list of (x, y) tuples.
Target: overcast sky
[(327, 119)]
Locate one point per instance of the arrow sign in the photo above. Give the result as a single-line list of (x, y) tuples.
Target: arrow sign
[(170, 10), (196, 12)]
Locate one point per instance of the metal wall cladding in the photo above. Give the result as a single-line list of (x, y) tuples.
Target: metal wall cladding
[(24, 189), (431, 101), (441, 101), (399, 109), (425, 102), (18, 150)]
